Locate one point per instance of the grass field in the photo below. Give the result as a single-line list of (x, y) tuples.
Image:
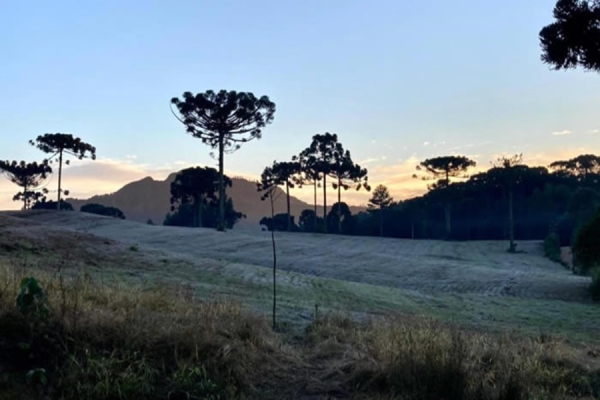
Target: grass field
[(140, 311), (473, 283)]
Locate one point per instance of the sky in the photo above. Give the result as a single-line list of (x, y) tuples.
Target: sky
[(397, 81)]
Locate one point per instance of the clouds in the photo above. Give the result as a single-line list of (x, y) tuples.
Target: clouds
[(562, 133), (86, 178)]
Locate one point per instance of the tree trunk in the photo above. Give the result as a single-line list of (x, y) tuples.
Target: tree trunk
[(511, 227), (60, 157), (287, 192), (25, 197), (221, 223), (324, 203), (316, 216), (381, 221), (412, 229), (339, 210), (274, 263)]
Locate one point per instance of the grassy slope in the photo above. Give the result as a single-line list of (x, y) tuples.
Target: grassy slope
[(467, 283)]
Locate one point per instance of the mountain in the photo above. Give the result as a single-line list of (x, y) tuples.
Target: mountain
[(149, 199)]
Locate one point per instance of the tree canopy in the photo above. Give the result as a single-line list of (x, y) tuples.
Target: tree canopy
[(59, 145), (196, 186), (224, 120), (573, 39), (29, 176)]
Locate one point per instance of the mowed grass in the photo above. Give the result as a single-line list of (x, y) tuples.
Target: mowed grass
[(32, 245)]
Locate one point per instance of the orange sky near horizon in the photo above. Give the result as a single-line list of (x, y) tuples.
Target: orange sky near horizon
[(87, 178)]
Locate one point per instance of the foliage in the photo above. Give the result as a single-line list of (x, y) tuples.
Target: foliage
[(309, 221), (224, 120), (279, 222), (59, 145), (320, 159), (571, 41), (552, 248), (586, 250), (100, 209), (442, 169), (29, 176), (32, 300), (595, 285), (196, 186), (380, 198), (585, 168), (185, 214), (45, 204), (280, 173), (340, 216)]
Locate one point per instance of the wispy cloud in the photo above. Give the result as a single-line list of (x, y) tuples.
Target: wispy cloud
[(372, 160), (562, 133), (595, 131)]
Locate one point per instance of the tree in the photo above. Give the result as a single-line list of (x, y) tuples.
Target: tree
[(309, 174), (62, 144), (442, 169), (380, 200), (185, 215), (586, 250), (347, 174), (340, 216), (308, 220), (99, 209), (279, 222), (29, 176), (286, 173), (506, 172), (322, 156), (584, 168), (197, 186), (224, 120), (573, 40), (268, 185)]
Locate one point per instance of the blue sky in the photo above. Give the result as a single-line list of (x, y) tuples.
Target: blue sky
[(398, 81)]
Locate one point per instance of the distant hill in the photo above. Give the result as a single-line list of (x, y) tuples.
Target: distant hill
[(149, 199)]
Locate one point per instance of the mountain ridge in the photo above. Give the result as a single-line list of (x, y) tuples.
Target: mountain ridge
[(149, 198)]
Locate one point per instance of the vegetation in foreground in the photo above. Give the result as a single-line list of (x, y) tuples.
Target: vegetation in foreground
[(72, 337)]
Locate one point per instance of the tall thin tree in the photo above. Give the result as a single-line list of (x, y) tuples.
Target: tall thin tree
[(309, 175), (380, 200), (347, 174), (286, 174), (321, 155), (268, 185), (505, 171), (224, 120), (442, 169), (60, 145), (29, 176)]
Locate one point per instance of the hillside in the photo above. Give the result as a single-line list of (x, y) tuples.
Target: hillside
[(149, 199)]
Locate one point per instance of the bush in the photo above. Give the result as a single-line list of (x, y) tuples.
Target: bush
[(99, 209), (595, 285), (51, 205), (552, 247), (586, 250)]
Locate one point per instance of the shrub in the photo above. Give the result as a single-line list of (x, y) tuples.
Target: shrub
[(586, 250), (595, 285), (552, 247), (99, 209), (51, 205)]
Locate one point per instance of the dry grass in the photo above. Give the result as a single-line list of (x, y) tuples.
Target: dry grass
[(105, 342), (422, 359)]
